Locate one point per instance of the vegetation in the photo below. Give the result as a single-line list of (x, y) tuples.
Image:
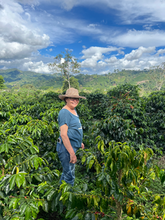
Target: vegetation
[(146, 80), (158, 75), (73, 83), (119, 175), (1, 82)]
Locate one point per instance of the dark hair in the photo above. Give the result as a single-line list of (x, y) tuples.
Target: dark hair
[(65, 99)]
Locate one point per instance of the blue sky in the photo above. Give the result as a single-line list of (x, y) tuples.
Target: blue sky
[(103, 35)]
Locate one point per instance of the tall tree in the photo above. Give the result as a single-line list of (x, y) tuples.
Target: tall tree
[(2, 82), (66, 64)]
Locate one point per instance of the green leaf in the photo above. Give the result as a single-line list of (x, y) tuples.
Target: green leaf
[(15, 202), (12, 181), (70, 213), (91, 163), (38, 177), (50, 195), (34, 207), (36, 163), (2, 195), (162, 178), (45, 206), (83, 159), (23, 208), (7, 188), (36, 148), (61, 206), (28, 213), (18, 180)]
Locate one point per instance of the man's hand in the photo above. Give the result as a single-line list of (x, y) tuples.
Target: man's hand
[(73, 158), (82, 146)]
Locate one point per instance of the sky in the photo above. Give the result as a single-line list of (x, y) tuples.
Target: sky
[(103, 35)]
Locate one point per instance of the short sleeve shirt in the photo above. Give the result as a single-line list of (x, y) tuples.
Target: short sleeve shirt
[(75, 132)]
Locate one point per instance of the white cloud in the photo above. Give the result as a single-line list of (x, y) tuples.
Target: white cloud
[(136, 54), (94, 54), (161, 51), (97, 51), (29, 2), (25, 31), (130, 11), (38, 67), (134, 38), (62, 29), (92, 25), (18, 38), (97, 59), (111, 60)]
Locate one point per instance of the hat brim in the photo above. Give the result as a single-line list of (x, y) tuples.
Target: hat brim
[(62, 97)]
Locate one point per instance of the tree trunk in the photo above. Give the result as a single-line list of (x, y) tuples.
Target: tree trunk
[(69, 83)]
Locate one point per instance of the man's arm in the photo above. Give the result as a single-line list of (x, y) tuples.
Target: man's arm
[(67, 144)]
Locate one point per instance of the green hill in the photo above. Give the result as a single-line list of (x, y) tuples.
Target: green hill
[(15, 77)]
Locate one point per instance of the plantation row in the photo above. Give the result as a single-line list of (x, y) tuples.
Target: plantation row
[(118, 175)]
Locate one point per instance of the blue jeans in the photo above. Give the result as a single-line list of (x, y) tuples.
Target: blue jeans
[(68, 173)]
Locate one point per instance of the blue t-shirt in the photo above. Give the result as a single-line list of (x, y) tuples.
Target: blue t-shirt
[(75, 132)]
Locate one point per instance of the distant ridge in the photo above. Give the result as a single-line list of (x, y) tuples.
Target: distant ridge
[(15, 77)]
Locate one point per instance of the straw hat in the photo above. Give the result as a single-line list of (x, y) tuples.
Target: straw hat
[(71, 93)]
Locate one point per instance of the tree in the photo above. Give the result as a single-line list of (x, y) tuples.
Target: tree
[(65, 63), (1, 82), (73, 83)]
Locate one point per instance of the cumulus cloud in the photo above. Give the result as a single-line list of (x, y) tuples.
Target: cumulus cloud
[(92, 55), (25, 31), (18, 39), (101, 60), (111, 60), (161, 51), (38, 67), (136, 54), (36, 64), (87, 53)]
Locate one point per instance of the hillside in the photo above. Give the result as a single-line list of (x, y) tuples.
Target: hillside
[(15, 77)]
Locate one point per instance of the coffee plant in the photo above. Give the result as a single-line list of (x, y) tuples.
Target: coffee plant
[(124, 136)]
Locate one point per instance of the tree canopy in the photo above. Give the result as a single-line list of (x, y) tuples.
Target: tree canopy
[(66, 64)]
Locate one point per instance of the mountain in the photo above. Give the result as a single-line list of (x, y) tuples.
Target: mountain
[(145, 79), (15, 77)]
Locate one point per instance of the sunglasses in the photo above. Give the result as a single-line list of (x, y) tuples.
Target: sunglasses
[(77, 99)]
